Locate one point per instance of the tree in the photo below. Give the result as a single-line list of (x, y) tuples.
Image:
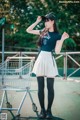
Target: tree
[(21, 13)]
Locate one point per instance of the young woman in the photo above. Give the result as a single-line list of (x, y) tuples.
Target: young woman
[(45, 65)]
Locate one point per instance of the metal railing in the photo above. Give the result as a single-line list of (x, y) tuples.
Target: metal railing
[(65, 56), (11, 63), (16, 65)]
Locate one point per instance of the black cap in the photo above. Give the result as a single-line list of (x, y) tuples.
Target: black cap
[(50, 16)]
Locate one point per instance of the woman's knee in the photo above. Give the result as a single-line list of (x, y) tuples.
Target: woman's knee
[(50, 84)]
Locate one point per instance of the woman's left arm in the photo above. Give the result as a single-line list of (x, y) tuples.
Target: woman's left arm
[(59, 43)]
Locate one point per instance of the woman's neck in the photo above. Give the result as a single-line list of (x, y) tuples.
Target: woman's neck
[(51, 29)]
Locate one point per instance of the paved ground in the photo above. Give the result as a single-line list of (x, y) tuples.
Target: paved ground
[(66, 105)]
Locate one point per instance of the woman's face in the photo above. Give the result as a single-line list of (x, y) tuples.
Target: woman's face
[(49, 23)]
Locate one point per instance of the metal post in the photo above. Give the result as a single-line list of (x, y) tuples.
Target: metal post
[(2, 55), (20, 65), (6, 67), (65, 66)]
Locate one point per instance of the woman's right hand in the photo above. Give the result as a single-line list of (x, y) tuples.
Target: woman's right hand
[(39, 18), (31, 27)]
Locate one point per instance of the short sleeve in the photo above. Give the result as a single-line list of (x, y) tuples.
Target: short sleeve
[(59, 36)]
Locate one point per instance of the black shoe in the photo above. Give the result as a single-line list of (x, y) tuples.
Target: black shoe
[(42, 114), (49, 114)]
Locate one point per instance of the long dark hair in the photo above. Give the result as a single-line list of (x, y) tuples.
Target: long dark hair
[(44, 32)]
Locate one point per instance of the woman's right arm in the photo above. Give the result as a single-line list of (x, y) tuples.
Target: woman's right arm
[(31, 27)]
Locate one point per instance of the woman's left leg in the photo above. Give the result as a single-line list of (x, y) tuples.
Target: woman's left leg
[(50, 87)]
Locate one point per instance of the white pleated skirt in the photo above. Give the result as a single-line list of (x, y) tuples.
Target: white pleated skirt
[(45, 65)]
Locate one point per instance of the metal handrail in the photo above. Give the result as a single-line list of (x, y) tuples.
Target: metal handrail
[(65, 56)]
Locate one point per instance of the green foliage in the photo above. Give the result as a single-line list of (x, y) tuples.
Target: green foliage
[(69, 45), (23, 13)]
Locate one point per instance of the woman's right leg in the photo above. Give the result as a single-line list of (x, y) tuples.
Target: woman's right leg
[(40, 80)]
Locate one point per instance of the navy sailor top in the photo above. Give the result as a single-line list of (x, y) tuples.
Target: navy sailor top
[(49, 41)]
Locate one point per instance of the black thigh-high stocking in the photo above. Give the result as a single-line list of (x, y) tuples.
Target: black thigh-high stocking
[(50, 87), (40, 80)]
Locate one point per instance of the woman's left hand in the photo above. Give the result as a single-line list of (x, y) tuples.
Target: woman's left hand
[(64, 36)]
